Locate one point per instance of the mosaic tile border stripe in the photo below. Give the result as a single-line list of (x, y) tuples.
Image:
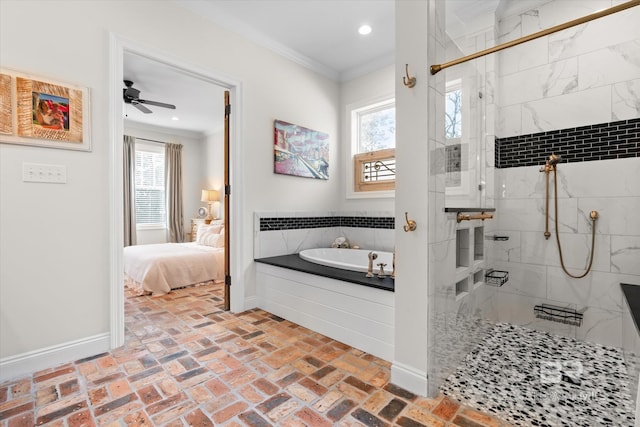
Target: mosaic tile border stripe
[(293, 223), (614, 140)]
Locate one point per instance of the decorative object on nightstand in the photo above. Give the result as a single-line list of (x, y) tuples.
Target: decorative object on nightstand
[(210, 197)]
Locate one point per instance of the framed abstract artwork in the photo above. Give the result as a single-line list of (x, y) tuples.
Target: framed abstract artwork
[(40, 112), (299, 151)]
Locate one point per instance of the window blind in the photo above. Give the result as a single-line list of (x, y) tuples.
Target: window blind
[(150, 188)]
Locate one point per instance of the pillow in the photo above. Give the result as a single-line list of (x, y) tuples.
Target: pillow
[(213, 240), (205, 229)]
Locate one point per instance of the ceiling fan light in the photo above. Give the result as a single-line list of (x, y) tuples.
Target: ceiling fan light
[(364, 29)]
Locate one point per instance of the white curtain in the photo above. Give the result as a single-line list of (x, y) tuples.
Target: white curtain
[(173, 184), (129, 190)]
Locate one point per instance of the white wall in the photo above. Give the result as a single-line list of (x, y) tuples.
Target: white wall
[(65, 228), (368, 88)]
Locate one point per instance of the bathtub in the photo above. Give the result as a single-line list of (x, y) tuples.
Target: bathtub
[(348, 259)]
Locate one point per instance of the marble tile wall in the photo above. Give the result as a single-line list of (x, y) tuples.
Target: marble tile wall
[(283, 233), (535, 276), (584, 75), (578, 78), (608, 186)]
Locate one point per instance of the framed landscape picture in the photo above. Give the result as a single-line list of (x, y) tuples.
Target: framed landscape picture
[(40, 112), (299, 151)]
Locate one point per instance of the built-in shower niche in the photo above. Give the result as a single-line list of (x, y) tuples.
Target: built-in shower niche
[(478, 278), (478, 243), (462, 288), (462, 249), (470, 260)]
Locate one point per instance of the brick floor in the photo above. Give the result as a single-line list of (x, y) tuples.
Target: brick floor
[(186, 362)]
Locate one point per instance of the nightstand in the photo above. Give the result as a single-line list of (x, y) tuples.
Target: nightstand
[(195, 223)]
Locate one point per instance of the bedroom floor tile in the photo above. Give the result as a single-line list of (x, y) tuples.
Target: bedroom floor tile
[(186, 362)]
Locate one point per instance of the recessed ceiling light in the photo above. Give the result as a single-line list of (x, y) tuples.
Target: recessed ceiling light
[(364, 29), (175, 118)]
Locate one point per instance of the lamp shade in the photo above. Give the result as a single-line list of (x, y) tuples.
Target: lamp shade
[(210, 196)]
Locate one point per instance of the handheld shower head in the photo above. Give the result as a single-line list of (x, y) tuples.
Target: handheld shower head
[(554, 159)]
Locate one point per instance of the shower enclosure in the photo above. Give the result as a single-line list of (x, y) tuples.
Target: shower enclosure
[(503, 115)]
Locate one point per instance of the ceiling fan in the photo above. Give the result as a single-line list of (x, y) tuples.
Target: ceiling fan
[(131, 96)]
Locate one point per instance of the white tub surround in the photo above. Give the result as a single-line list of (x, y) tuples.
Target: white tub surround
[(360, 316), (342, 304)]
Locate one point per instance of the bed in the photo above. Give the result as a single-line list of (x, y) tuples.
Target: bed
[(159, 268)]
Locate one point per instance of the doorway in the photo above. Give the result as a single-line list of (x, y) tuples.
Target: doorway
[(120, 50)]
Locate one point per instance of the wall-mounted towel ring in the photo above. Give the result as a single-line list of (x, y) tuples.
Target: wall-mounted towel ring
[(408, 81)]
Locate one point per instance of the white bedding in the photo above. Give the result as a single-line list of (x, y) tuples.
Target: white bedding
[(161, 267)]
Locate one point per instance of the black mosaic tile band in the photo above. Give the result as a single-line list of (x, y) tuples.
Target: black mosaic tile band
[(604, 141), (293, 223)]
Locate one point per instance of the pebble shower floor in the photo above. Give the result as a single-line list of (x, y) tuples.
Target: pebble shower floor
[(528, 377)]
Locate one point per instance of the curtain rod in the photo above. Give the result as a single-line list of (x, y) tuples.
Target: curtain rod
[(159, 142), (437, 67)]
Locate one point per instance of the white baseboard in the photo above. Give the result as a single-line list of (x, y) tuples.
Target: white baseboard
[(409, 378), (20, 365)]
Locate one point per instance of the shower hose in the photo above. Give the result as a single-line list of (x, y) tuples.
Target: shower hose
[(593, 215)]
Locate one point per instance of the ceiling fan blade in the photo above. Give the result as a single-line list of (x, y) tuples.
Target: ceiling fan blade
[(157, 104), (141, 107)]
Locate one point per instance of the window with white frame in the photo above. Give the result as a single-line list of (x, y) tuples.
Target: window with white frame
[(150, 200), (453, 133), (373, 131)]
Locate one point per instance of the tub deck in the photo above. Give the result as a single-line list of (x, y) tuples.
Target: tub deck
[(294, 262)]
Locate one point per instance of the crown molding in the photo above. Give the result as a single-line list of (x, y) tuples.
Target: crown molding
[(215, 14), (371, 66)]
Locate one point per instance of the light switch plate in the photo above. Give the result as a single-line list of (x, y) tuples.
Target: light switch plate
[(37, 172)]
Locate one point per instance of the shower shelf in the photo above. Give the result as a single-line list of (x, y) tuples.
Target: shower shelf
[(496, 277), (469, 209), (554, 313)]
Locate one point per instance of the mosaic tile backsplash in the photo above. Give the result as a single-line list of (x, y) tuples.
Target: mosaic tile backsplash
[(294, 223), (614, 140), (285, 233)]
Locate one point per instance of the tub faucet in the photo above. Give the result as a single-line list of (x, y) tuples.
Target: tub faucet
[(340, 242), (372, 256), (381, 272)]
